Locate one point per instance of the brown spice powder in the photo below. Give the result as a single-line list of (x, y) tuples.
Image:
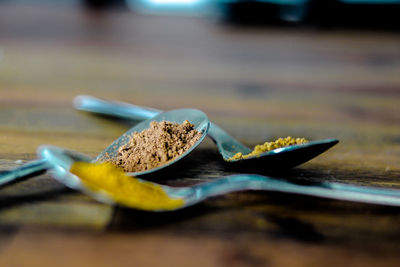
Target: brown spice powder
[(155, 146)]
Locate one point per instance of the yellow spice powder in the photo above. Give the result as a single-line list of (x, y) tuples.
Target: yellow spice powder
[(268, 146), (124, 189)]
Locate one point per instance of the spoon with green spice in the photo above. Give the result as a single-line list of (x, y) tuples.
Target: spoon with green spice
[(110, 185), (282, 157), (196, 117)]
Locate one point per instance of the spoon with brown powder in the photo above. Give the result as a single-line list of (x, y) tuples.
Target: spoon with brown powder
[(290, 153), (147, 147)]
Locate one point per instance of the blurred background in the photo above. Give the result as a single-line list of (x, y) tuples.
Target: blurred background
[(272, 66)]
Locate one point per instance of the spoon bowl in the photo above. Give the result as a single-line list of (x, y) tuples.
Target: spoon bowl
[(289, 156), (61, 161), (196, 117)]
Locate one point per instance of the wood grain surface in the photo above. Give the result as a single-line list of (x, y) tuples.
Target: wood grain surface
[(257, 83)]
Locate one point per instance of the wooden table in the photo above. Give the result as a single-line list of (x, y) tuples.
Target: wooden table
[(257, 83)]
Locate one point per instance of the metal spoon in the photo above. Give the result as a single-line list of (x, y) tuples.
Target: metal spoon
[(227, 145), (196, 117), (61, 161)]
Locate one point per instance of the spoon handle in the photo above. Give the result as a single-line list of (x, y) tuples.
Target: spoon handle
[(227, 145), (339, 191), (114, 108), (23, 171)]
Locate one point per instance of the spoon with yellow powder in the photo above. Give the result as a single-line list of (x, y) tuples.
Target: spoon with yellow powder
[(198, 121), (283, 153), (109, 184)]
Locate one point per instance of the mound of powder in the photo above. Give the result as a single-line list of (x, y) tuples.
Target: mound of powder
[(155, 146)]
